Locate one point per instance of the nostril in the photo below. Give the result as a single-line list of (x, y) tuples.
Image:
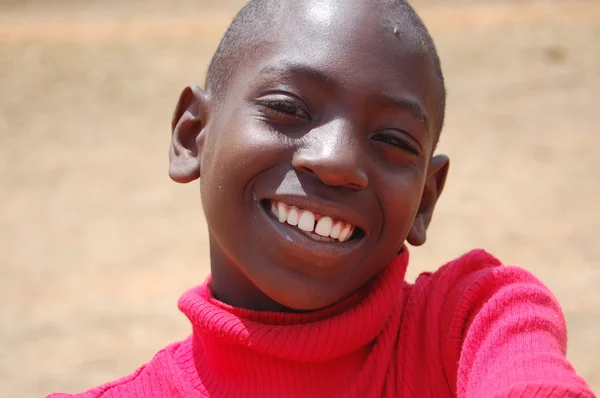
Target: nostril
[(331, 171), (356, 187), (306, 170)]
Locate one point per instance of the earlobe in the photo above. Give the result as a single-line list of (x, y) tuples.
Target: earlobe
[(434, 185), (187, 140)]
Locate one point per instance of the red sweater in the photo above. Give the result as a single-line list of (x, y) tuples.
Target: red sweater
[(474, 328)]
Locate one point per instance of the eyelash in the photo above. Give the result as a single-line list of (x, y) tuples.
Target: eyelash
[(387, 139), (285, 108)]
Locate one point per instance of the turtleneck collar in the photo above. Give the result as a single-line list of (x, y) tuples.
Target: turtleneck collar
[(300, 337)]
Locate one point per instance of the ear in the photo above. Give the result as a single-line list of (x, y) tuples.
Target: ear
[(187, 141), (436, 178)]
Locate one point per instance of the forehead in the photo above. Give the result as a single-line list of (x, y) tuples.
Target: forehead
[(360, 48), (340, 31)]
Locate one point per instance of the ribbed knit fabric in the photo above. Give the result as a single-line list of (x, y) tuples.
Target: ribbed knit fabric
[(474, 328)]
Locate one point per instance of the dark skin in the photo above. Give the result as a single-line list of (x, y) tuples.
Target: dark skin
[(333, 113)]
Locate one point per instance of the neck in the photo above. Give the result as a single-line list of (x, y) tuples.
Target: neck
[(313, 349), (231, 286)]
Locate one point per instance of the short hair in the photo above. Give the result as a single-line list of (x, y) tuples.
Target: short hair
[(257, 15)]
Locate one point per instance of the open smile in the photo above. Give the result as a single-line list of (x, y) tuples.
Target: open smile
[(318, 227)]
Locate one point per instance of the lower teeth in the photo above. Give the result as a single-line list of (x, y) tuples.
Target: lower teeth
[(319, 237)]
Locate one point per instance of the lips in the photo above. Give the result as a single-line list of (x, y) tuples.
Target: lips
[(317, 226)]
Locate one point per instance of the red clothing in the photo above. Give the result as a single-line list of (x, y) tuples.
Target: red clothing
[(474, 328)]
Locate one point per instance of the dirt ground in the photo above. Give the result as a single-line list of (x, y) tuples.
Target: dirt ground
[(97, 244)]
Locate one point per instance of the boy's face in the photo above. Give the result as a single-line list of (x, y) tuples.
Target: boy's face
[(333, 114)]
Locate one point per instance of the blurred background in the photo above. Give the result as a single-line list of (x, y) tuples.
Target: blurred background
[(97, 244)]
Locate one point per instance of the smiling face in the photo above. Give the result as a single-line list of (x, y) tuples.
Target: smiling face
[(317, 164)]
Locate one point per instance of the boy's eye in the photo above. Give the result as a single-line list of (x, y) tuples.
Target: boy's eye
[(285, 108), (402, 143)]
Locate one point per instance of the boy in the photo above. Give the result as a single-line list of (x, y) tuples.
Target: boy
[(314, 141)]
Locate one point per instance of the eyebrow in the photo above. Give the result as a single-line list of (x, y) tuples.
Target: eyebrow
[(411, 105), (299, 69)]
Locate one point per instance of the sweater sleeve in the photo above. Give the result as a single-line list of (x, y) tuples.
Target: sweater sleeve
[(514, 339)]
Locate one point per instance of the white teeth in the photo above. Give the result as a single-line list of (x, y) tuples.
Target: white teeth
[(335, 231), (323, 227), (281, 212), (350, 233), (307, 221), (345, 234), (293, 216)]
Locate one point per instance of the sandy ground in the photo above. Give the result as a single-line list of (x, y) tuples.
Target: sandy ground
[(97, 244)]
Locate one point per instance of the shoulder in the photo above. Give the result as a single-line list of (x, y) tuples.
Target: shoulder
[(477, 291), (159, 367), (502, 332), (475, 277), (469, 266)]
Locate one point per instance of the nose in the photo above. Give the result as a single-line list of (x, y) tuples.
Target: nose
[(332, 153)]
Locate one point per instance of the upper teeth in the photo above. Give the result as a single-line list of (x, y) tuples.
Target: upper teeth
[(305, 220)]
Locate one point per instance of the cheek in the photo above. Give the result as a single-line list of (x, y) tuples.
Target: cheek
[(400, 204), (247, 145), (234, 155)]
